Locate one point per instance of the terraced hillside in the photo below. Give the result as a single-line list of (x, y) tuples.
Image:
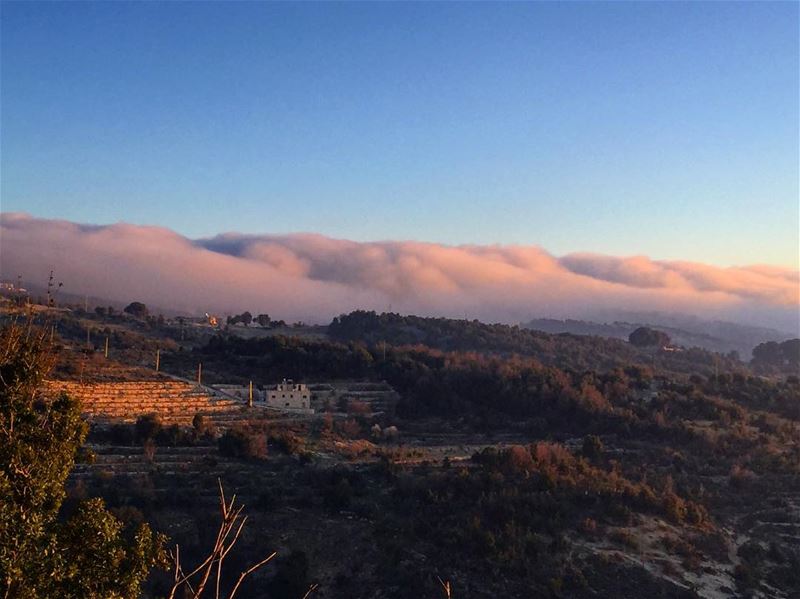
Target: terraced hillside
[(175, 402), (379, 396)]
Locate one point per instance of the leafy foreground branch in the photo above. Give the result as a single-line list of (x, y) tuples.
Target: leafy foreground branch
[(45, 552)]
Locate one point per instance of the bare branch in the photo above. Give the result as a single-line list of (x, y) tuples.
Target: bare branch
[(446, 586), (249, 571), (230, 530)]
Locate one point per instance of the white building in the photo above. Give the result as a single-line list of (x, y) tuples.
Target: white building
[(289, 394)]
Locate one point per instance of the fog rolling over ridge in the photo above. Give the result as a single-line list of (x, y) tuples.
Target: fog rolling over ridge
[(311, 277)]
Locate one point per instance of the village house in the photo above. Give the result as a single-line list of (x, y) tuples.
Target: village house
[(289, 394)]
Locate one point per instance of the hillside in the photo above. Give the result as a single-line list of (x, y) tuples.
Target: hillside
[(566, 350), (513, 462), (716, 336)]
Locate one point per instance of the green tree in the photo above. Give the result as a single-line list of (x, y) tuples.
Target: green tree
[(91, 555)]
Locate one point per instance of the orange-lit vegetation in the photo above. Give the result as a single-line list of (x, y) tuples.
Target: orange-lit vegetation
[(501, 471)]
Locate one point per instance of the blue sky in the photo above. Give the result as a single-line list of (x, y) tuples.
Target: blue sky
[(665, 129)]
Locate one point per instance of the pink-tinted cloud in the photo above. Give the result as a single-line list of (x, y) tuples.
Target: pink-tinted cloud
[(767, 284), (312, 277)]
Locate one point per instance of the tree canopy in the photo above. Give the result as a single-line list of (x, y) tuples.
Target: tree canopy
[(783, 356), (647, 337), (88, 554), (137, 309)]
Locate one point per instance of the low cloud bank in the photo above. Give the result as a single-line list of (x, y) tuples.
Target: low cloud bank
[(312, 277)]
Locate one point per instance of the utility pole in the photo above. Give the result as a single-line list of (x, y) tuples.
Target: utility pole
[(50, 290), (200, 373), (158, 359), (250, 397), (88, 337), (106, 349)]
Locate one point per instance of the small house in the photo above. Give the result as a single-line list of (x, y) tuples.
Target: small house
[(289, 394)]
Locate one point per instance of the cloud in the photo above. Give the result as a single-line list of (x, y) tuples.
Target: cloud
[(312, 277), (766, 284)]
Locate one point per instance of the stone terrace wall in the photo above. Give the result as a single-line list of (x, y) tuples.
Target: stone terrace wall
[(176, 402)]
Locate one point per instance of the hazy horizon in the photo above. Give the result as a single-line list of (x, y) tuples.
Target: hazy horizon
[(313, 278)]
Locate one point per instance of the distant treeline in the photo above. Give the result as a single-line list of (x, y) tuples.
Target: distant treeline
[(489, 390), (780, 357), (577, 352)]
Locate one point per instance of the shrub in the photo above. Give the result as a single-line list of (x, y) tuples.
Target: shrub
[(592, 447), (240, 443), (349, 428), (517, 460), (674, 507), (147, 427), (173, 436), (287, 442), (199, 423), (356, 407), (149, 448), (203, 428), (356, 448), (741, 477)]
